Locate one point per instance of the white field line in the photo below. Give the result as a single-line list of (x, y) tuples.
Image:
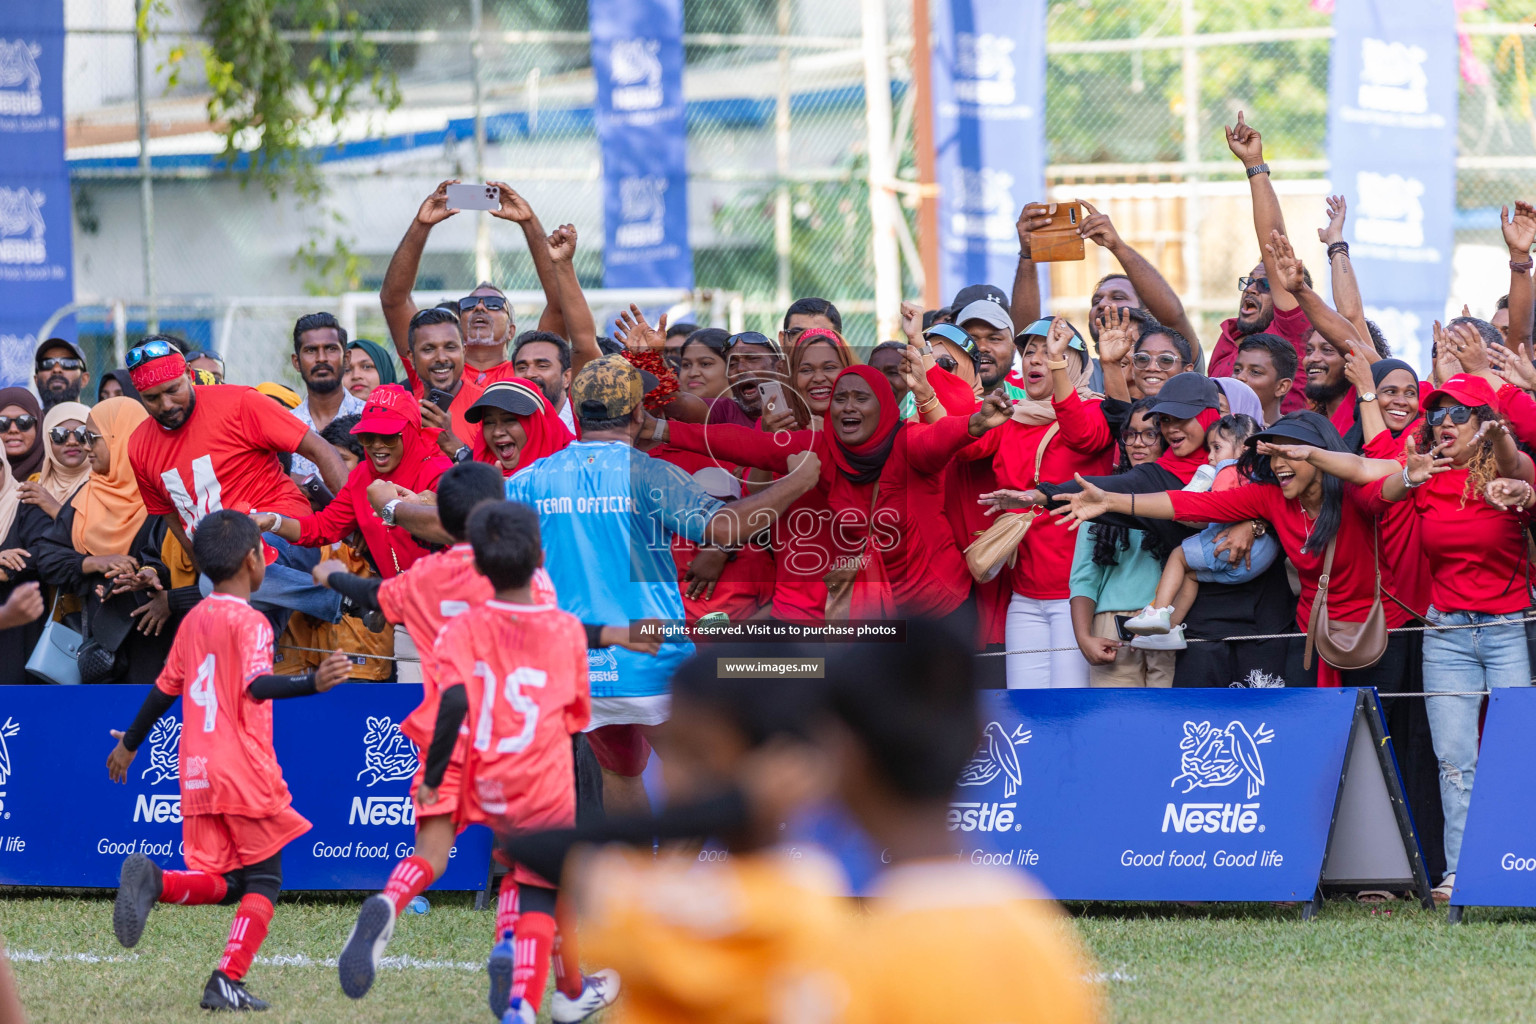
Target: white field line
[(399, 963)]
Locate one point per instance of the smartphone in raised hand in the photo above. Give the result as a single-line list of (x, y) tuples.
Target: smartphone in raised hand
[(474, 197)]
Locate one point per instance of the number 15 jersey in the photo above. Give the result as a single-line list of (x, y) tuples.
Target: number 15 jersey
[(228, 765), (524, 672)]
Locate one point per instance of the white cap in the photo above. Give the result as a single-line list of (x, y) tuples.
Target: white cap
[(987, 311), (717, 483)]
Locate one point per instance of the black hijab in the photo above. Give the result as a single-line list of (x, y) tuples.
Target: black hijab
[(1355, 439)]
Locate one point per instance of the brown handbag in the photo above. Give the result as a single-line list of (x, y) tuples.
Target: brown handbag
[(839, 581), (1346, 645), (998, 544)]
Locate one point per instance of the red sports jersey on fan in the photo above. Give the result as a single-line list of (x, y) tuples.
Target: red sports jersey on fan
[(223, 456), (524, 671), (228, 765)]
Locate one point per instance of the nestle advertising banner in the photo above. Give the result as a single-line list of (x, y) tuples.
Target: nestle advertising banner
[(989, 133), (1130, 795), (637, 60), (1498, 851), (36, 261), (62, 822), (1392, 153)]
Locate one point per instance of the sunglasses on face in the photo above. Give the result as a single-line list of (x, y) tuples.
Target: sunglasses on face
[(946, 363), (62, 436), (1164, 360), (491, 302), (1458, 415), (60, 363), (25, 422), (149, 351), (1140, 437), (1261, 282)]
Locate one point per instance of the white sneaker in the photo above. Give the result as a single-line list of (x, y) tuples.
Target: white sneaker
[(1151, 621), (359, 959), (1173, 640), (597, 991), (519, 1012)]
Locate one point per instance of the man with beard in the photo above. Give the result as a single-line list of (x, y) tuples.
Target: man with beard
[(320, 356), (61, 372), (985, 321), (545, 359), (750, 359), (485, 314)]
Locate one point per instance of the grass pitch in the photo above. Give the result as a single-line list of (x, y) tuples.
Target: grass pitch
[(1222, 964)]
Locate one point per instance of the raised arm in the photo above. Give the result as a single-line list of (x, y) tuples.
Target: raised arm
[(515, 208), (1248, 146), (1519, 234), (1114, 345), (1346, 286), (1157, 296), (1024, 303), (1358, 372), (400, 276), (1285, 270), (741, 445), (931, 448), (1348, 467), (581, 329)]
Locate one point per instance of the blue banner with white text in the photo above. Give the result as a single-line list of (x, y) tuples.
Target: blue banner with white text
[(1497, 867), (1392, 154), (36, 261), (637, 60), (64, 823), (988, 72)]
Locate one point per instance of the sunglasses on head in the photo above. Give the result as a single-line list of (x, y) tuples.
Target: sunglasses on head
[(491, 302), (61, 435), (60, 363), (25, 422), (1261, 282), (1164, 360), (149, 351), (1458, 414)]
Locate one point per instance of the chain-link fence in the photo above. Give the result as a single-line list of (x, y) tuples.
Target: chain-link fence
[(1137, 93)]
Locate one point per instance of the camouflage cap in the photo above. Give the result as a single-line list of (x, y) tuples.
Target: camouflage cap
[(613, 385)]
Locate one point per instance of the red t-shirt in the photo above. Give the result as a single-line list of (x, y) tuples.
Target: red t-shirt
[(1083, 445), (1290, 324), (1352, 588), (228, 765), (524, 671), (468, 394), (1475, 555), (223, 456), (1400, 526)]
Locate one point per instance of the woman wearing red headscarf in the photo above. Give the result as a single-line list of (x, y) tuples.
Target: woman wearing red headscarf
[(395, 449), (515, 426), (883, 484)]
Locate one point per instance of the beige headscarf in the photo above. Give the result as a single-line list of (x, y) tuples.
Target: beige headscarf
[(10, 498), (56, 478), (1033, 413), (108, 509)]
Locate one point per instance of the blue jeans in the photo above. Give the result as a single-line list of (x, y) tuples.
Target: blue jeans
[(290, 586), (1456, 661)]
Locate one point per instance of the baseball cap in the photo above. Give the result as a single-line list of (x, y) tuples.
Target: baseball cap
[(717, 483), (955, 336), (1302, 427), (389, 410), (986, 311), (1185, 395), (979, 293), (1042, 327), (1464, 388), (55, 343), (612, 382), (287, 396), (511, 396)]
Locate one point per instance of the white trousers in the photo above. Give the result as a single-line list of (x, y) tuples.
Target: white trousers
[(1036, 624)]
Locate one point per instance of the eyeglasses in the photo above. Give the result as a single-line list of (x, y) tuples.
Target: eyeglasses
[(149, 351), (491, 302), (1458, 414), (1140, 437), (1164, 360), (60, 363), (25, 422), (62, 436), (946, 362), (1261, 282)]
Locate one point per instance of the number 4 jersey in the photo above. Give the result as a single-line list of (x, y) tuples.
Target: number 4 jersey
[(228, 765), (524, 672)]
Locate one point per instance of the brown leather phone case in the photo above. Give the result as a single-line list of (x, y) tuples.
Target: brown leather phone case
[(1060, 242)]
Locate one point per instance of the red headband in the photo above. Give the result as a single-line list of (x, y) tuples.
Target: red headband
[(158, 371)]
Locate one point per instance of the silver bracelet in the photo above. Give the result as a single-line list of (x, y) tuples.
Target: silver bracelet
[(1408, 483)]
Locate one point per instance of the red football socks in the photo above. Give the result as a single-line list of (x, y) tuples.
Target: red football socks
[(192, 887), (530, 957), (506, 907), (409, 880), (566, 966), (246, 935)]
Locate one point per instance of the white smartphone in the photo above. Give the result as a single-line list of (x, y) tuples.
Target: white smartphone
[(771, 395), (474, 197)]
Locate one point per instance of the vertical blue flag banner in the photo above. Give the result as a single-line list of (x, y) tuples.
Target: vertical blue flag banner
[(36, 261), (1392, 153), (64, 823), (1497, 867), (637, 60), (989, 133)]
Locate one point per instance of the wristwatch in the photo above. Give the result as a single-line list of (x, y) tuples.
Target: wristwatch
[(1060, 365), (1369, 396), (463, 454), (387, 516), (1258, 169)]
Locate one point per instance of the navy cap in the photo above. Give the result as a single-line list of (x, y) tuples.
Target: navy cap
[(1185, 395)]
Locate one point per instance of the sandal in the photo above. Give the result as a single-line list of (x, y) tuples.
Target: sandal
[(1375, 896), (1442, 892)]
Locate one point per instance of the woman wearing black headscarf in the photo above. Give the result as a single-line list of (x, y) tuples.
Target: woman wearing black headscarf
[(114, 384)]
